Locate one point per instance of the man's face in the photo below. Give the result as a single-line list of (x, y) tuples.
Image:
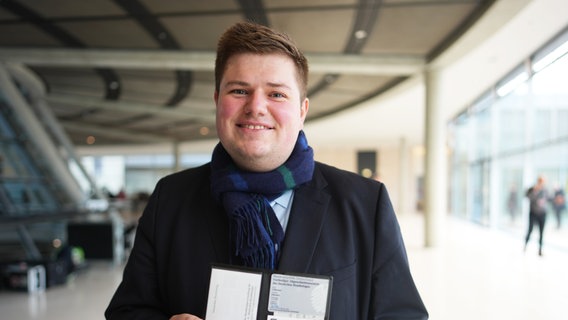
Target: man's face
[(259, 111)]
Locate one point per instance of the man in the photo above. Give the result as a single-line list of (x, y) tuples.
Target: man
[(263, 202), (558, 204), (538, 198)]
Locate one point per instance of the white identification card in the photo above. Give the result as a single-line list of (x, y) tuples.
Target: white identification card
[(233, 295), (240, 293), (298, 297)]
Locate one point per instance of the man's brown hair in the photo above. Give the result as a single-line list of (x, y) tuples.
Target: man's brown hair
[(248, 37)]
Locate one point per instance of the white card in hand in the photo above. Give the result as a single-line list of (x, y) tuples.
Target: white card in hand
[(233, 295), (295, 297)]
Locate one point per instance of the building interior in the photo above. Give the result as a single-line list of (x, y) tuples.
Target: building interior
[(458, 106)]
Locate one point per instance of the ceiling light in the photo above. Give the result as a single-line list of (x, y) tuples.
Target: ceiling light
[(360, 34), (551, 57), (91, 140), (511, 85)]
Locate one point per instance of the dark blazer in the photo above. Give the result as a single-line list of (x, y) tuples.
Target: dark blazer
[(340, 224)]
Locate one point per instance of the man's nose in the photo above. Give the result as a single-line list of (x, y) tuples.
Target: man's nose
[(257, 103)]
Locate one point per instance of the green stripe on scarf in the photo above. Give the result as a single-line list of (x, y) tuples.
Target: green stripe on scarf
[(287, 176)]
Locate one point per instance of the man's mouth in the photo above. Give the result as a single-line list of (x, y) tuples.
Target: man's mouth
[(253, 127)]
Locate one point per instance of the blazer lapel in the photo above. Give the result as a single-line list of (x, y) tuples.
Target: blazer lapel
[(218, 230), (306, 219)]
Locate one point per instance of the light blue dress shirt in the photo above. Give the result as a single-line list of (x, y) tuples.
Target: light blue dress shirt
[(282, 206)]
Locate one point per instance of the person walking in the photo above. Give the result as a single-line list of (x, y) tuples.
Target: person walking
[(537, 211), (512, 203), (558, 204)]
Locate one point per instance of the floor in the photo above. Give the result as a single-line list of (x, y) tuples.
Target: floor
[(478, 273)]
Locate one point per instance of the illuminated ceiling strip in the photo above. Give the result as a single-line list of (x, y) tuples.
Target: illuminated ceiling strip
[(122, 106), (204, 61)]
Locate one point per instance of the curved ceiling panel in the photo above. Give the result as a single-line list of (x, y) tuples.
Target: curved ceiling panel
[(125, 85)]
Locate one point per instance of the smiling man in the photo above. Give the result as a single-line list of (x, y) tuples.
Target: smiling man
[(263, 202)]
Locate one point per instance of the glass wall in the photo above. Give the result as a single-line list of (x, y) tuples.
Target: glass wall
[(24, 188), (516, 132), (135, 174)]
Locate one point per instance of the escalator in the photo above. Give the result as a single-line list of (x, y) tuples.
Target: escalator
[(42, 182)]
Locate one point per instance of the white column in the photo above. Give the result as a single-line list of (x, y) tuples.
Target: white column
[(435, 190), (177, 155), (403, 177)]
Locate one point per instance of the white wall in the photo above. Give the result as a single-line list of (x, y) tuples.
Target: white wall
[(343, 158), (389, 165)]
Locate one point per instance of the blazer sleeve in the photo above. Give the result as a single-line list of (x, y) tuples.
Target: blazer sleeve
[(344, 225), (394, 294), (137, 296)]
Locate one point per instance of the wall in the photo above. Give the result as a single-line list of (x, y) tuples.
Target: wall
[(403, 192)]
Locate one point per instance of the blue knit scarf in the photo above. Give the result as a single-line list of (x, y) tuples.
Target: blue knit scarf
[(255, 231)]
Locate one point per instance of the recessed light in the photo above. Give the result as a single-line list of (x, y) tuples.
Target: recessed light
[(360, 34)]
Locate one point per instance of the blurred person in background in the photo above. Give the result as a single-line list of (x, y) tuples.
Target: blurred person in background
[(538, 199), (558, 204)]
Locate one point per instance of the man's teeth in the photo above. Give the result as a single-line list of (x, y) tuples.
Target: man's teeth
[(248, 126)]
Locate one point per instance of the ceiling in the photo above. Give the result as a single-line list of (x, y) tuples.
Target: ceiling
[(141, 71)]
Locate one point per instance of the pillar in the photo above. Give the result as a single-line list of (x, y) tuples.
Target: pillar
[(403, 177), (435, 180)]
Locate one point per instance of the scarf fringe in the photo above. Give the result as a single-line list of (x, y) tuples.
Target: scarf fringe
[(252, 242)]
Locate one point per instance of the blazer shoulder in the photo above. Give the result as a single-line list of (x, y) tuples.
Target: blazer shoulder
[(186, 179)]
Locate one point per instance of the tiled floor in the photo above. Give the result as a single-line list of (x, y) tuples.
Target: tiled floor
[(478, 273), (482, 273)]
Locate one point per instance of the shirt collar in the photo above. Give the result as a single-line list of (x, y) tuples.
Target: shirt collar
[(283, 200)]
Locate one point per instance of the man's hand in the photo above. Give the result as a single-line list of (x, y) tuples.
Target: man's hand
[(184, 316)]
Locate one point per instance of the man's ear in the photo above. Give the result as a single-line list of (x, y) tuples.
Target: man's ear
[(215, 96), (304, 109)]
